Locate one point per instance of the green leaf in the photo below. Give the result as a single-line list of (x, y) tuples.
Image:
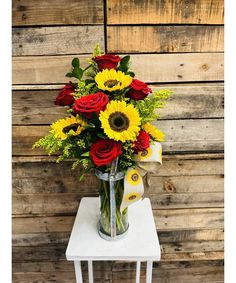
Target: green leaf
[(75, 62), (132, 74), (124, 64), (86, 154), (77, 72), (69, 75), (101, 135)]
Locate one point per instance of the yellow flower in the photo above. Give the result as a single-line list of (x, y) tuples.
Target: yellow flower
[(68, 126), (120, 121), (133, 196), (142, 155), (153, 132), (112, 80), (133, 177)]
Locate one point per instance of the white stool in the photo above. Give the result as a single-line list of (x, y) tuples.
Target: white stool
[(141, 243)]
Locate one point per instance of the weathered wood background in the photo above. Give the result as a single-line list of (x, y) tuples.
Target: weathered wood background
[(174, 43)]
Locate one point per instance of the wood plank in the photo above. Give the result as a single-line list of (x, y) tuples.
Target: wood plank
[(185, 274), (58, 204), (57, 252), (189, 218), (69, 183), (174, 166), (39, 269), (150, 68), (166, 220), (190, 101), (181, 136), (60, 238), (56, 12), (164, 12), (56, 40), (165, 39)]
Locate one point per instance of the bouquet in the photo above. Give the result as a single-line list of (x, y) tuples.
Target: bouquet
[(108, 129)]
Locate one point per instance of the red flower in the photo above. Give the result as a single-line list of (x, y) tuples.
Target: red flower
[(107, 61), (65, 97), (142, 142), (89, 104), (139, 90), (103, 152)]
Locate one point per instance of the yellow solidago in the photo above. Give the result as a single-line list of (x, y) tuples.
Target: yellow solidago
[(120, 121), (153, 132), (112, 80), (68, 126)]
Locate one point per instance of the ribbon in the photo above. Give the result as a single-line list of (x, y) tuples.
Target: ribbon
[(148, 160)]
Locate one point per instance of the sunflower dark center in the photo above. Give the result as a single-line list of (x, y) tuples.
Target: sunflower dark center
[(118, 121), (73, 127), (134, 177), (132, 197), (111, 83)]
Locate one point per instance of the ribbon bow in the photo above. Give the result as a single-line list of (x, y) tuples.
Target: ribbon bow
[(147, 161)]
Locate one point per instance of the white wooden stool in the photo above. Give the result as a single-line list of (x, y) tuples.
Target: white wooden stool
[(141, 243)]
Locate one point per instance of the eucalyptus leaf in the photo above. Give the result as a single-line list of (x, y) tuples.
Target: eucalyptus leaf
[(69, 75), (77, 72), (75, 62)]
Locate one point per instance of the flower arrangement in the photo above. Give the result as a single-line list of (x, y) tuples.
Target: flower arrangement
[(109, 115)]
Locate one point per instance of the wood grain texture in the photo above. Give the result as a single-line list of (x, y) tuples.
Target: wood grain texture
[(56, 12), (187, 101), (165, 39), (43, 270), (181, 136), (59, 238), (148, 67), (164, 12), (58, 204), (56, 40), (166, 219)]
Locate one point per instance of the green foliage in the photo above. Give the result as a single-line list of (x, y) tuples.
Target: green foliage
[(84, 89), (49, 143), (126, 160), (147, 107)]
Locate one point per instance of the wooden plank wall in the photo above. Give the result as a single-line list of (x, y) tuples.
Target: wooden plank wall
[(174, 43)]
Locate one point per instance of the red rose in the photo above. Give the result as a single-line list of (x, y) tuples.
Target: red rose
[(139, 90), (142, 142), (65, 96), (107, 61), (103, 152), (89, 104)]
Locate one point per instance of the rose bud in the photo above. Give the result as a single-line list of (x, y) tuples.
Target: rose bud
[(138, 90), (107, 61), (142, 142), (104, 151), (89, 104), (65, 96)]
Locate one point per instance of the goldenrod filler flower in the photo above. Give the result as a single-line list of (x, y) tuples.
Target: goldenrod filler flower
[(153, 132), (68, 126), (120, 121), (112, 80)]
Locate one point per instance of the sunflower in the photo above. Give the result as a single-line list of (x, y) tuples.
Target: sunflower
[(153, 132), (120, 121), (112, 80), (68, 126)]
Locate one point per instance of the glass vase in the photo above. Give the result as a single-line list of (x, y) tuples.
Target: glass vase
[(110, 202)]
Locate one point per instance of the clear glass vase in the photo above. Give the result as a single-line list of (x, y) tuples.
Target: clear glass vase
[(120, 219)]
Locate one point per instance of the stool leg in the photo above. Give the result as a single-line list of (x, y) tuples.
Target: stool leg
[(78, 272), (149, 272), (90, 271), (138, 271)]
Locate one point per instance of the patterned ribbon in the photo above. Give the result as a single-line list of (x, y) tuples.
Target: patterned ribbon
[(147, 161)]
